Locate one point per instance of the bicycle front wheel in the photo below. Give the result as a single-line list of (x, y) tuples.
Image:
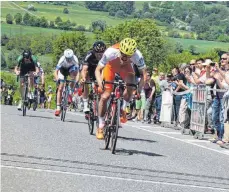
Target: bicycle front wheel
[(91, 123), (64, 106), (25, 100), (114, 133)]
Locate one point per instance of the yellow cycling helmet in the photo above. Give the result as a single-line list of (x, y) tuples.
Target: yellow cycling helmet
[(128, 46)]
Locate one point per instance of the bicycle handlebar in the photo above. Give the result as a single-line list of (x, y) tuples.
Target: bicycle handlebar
[(89, 82), (120, 83)]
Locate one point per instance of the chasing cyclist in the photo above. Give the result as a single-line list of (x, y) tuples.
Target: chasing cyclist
[(67, 65), (27, 63), (120, 59), (88, 71)]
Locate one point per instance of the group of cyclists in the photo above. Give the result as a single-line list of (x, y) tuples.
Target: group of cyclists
[(100, 64)]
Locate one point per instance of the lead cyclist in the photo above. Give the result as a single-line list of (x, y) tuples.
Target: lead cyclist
[(118, 59)]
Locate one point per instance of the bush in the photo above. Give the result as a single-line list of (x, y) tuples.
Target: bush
[(18, 18), (4, 39), (31, 8), (12, 58), (9, 19), (80, 28), (3, 60), (120, 14), (66, 11), (174, 34), (147, 15)]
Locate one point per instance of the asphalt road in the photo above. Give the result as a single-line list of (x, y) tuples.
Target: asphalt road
[(41, 153)]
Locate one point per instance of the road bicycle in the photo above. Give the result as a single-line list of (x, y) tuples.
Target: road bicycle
[(112, 115), (65, 95), (93, 101)]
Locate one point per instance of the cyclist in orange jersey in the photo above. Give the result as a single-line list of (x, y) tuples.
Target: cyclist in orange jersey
[(119, 59)]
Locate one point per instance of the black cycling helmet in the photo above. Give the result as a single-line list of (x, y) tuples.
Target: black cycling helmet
[(26, 54), (99, 46)]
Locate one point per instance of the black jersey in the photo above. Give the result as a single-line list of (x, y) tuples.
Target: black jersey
[(91, 61)]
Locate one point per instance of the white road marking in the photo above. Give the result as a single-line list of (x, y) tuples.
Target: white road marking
[(110, 177), (169, 132), (198, 141), (182, 140)]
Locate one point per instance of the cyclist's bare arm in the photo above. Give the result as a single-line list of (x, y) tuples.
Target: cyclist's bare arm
[(56, 74), (143, 77), (98, 75), (17, 70), (37, 70), (84, 72), (77, 77)]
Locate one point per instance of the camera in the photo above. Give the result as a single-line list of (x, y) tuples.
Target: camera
[(175, 78)]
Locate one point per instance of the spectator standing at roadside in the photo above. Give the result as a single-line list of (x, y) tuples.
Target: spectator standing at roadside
[(163, 85), (178, 78), (42, 97), (49, 94), (150, 91), (217, 105)]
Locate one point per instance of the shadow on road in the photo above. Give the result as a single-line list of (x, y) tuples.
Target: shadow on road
[(72, 121), (136, 139), (68, 121), (38, 116), (132, 152)]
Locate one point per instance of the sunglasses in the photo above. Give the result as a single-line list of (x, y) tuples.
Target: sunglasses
[(125, 57), (223, 58), (69, 59)]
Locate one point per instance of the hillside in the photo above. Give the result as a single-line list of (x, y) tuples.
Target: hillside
[(77, 12), (81, 15)]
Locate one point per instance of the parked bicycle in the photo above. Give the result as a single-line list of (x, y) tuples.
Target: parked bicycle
[(112, 116)]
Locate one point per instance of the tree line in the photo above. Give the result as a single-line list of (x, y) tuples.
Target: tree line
[(34, 21), (156, 50), (209, 23)]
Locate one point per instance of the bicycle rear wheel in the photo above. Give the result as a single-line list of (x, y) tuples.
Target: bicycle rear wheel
[(114, 133), (34, 105), (107, 128)]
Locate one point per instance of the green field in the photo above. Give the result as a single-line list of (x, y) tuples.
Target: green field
[(77, 13), (201, 45), (13, 30)]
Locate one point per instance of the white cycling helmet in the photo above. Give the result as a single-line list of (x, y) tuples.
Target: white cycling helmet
[(68, 53)]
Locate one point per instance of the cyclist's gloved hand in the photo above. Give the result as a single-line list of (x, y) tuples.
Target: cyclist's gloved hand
[(82, 80)]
